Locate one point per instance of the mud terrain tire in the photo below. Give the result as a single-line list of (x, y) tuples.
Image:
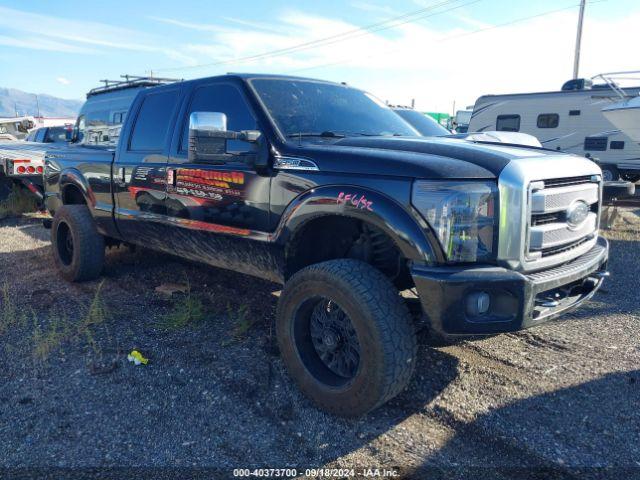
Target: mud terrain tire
[(383, 327), (78, 248)]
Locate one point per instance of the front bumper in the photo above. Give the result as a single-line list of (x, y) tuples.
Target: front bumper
[(517, 300)]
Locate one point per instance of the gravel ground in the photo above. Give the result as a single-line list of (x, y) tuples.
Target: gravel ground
[(563, 396)]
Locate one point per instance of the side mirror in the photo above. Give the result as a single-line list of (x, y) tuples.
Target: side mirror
[(208, 137)]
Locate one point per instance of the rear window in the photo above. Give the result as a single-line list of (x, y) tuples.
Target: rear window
[(508, 123), (152, 124), (102, 115)]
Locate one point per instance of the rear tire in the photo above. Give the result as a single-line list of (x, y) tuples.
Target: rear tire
[(78, 248), (632, 178), (377, 338), (609, 173)]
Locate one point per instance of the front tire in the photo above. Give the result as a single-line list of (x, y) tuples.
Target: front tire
[(346, 336), (78, 248)]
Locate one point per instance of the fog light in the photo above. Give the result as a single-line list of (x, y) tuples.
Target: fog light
[(478, 303)]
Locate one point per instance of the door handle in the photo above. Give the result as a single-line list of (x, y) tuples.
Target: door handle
[(171, 177), (120, 178)]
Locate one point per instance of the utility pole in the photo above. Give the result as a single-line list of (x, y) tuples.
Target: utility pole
[(576, 58), (37, 105)]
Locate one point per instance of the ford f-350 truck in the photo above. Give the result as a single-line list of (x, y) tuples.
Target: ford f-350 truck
[(322, 188)]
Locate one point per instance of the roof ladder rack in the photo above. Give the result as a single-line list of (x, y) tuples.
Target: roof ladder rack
[(131, 81)]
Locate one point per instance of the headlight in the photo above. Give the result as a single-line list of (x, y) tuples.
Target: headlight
[(462, 214)]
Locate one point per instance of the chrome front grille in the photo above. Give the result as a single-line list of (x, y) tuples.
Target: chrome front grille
[(550, 229), (555, 199), (557, 234), (542, 222)]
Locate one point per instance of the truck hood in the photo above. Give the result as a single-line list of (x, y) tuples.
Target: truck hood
[(415, 156)]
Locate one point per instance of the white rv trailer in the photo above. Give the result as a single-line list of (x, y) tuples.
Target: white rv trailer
[(569, 120)]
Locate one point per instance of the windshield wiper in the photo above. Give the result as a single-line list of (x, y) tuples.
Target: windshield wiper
[(331, 134), (326, 134)]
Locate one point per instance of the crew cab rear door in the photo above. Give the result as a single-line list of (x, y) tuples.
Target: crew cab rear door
[(139, 170)]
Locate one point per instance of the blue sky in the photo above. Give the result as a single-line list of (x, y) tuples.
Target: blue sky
[(455, 52)]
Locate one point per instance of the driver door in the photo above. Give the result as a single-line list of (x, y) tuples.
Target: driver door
[(230, 197)]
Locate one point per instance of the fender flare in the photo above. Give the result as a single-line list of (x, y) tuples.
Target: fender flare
[(73, 177), (409, 234)]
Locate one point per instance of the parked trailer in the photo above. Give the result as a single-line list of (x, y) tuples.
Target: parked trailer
[(22, 163), (569, 120), (16, 127)]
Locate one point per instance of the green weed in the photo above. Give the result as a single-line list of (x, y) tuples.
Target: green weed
[(187, 310), (49, 339), (60, 329), (242, 321), (8, 309)]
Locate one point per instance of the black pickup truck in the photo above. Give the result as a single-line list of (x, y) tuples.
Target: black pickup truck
[(322, 188)]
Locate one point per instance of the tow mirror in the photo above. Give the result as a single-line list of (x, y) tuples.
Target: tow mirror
[(208, 136)]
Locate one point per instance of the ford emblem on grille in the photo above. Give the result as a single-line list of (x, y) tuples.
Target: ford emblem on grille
[(577, 213)]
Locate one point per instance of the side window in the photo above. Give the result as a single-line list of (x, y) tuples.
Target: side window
[(548, 120), (597, 144), (118, 118), (152, 124), (508, 123), (40, 134), (616, 145), (228, 100)]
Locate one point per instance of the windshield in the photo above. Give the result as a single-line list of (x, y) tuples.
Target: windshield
[(312, 108), (426, 125)]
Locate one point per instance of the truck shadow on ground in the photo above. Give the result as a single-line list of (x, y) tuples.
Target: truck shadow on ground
[(586, 431), (614, 297)]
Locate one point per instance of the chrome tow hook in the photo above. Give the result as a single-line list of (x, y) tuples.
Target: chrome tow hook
[(592, 281), (549, 302)]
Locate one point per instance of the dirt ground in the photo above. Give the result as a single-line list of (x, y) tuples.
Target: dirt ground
[(561, 399)]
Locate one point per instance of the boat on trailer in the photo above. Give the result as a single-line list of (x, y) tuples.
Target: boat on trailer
[(624, 114)]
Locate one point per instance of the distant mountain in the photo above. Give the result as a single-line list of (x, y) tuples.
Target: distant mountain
[(12, 99)]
